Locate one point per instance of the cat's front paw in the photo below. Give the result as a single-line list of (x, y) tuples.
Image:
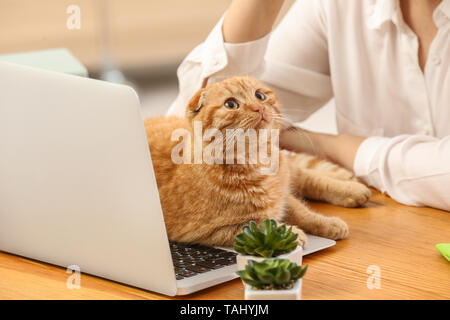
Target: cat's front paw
[(337, 229), (301, 236), (354, 195), (342, 174)]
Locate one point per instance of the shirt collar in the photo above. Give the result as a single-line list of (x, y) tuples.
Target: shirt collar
[(442, 13), (382, 11)]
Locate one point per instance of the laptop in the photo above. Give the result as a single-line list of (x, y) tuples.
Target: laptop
[(77, 186)]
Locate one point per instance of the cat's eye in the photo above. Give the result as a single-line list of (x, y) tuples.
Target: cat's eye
[(260, 95), (231, 104)]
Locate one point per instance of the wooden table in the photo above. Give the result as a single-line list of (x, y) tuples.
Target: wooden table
[(397, 239)]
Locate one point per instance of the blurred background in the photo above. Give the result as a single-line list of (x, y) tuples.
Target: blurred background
[(141, 42)]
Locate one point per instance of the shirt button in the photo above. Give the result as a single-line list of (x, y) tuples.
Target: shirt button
[(437, 61)]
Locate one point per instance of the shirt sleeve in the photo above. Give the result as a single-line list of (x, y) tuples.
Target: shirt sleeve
[(216, 60), (412, 169), (293, 60)]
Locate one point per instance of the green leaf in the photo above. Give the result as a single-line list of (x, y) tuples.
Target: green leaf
[(243, 274), (261, 267), (240, 238), (277, 273), (239, 248), (284, 263), (266, 253), (249, 250), (266, 279), (291, 236), (294, 270), (270, 238), (253, 227), (246, 278), (251, 270), (291, 246), (283, 277), (266, 227), (251, 239), (274, 224), (278, 244), (302, 272)]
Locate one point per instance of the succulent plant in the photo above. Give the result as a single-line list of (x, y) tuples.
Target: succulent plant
[(270, 241), (272, 274)]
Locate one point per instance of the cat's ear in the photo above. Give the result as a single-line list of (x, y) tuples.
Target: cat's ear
[(196, 103)]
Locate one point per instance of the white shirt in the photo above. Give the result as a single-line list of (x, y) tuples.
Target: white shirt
[(363, 54)]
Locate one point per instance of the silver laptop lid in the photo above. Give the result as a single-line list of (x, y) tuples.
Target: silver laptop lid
[(76, 182)]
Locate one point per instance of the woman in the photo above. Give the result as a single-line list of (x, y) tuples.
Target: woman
[(386, 63)]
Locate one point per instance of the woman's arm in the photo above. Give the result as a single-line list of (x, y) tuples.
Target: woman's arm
[(412, 169), (296, 53), (248, 20), (340, 149)]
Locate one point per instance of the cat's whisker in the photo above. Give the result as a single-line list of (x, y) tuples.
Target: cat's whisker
[(298, 110), (284, 121), (289, 125)]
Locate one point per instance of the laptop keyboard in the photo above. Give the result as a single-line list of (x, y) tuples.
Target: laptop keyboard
[(192, 259)]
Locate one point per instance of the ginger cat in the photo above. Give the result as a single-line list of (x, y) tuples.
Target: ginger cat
[(210, 203)]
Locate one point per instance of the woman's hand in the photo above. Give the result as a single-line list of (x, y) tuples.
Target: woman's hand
[(340, 149), (248, 20)]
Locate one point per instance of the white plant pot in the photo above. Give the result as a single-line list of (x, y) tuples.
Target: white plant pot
[(294, 256), (290, 294)]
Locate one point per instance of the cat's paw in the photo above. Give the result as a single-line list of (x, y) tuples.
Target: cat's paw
[(342, 174), (301, 236), (336, 229), (354, 194)]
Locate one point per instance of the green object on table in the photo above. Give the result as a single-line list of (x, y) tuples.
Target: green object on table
[(59, 60), (444, 249)]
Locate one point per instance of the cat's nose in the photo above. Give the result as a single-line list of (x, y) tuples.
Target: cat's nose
[(260, 110)]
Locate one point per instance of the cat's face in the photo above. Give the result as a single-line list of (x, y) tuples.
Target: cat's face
[(236, 103)]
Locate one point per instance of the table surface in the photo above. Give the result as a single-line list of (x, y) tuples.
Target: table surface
[(397, 240)]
